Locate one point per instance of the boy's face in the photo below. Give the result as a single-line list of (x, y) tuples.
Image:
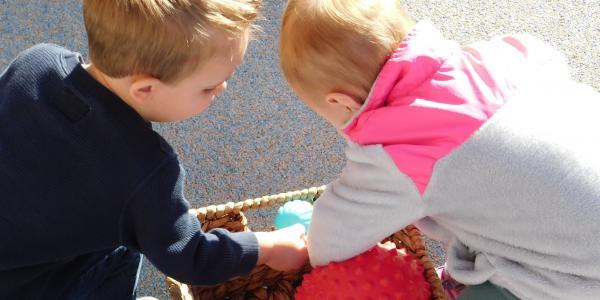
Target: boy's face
[(193, 94)]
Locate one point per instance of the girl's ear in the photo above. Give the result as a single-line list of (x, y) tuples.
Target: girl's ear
[(346, 101), (143, 87)]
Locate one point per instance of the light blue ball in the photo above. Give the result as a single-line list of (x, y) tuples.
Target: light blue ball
[(294, 212)]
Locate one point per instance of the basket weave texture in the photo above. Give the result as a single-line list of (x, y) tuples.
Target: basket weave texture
[(266, 283)]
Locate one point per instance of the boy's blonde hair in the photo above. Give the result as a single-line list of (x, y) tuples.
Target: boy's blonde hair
[(339, 45), (167, 39)]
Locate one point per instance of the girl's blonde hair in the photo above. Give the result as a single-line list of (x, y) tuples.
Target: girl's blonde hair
[(339, 45), (167, 39)]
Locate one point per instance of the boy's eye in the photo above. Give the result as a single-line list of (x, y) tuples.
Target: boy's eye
[(209, 90)]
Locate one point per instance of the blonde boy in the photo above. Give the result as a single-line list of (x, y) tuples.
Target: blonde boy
[(485, 147), (87, 185)]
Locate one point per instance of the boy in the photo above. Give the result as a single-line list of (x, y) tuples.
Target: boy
[(87, 185)]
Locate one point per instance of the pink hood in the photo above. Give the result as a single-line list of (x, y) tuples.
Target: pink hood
[(431, 96)]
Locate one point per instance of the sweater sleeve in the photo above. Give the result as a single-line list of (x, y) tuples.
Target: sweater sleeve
[(368, 202), (157, 223)]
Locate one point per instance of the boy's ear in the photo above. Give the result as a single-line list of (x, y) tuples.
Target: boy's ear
[(143, 87), (348, 102)]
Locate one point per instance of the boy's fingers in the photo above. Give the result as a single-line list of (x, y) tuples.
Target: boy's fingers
[(297, 229), (305, 239)]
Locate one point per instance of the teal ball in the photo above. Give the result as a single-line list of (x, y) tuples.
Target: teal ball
[(294, 212)]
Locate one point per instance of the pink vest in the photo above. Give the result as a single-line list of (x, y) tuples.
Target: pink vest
[(431, 96)]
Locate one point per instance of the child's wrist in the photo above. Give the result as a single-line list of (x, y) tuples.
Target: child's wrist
[(265, 246)]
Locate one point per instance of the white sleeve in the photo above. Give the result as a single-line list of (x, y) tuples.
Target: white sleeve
[(519, 60), (371, 200)]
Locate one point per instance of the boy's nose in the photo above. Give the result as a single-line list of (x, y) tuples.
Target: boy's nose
[(221, 88)]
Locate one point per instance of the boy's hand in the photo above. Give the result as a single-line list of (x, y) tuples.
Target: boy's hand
[(284, 249)]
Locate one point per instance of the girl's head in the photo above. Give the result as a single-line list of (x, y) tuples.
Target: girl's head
[(332, 50)]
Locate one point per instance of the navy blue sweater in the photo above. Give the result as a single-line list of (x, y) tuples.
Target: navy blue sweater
[(82, 172)]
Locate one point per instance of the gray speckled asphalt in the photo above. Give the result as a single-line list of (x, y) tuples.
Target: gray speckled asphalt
[(257, 139)]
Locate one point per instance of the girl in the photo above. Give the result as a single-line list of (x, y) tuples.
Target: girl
[(490, 148)]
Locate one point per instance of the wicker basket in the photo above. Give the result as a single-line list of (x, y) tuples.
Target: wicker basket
[(265, 283)]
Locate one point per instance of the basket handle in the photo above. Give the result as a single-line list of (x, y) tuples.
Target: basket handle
[(216, 211)]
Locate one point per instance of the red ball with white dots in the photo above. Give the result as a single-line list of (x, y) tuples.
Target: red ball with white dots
[(383, 272)]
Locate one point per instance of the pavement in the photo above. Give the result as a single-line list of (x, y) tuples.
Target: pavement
[(257, 138)]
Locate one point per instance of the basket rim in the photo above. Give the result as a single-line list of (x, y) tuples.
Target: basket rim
[(212, 211)]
